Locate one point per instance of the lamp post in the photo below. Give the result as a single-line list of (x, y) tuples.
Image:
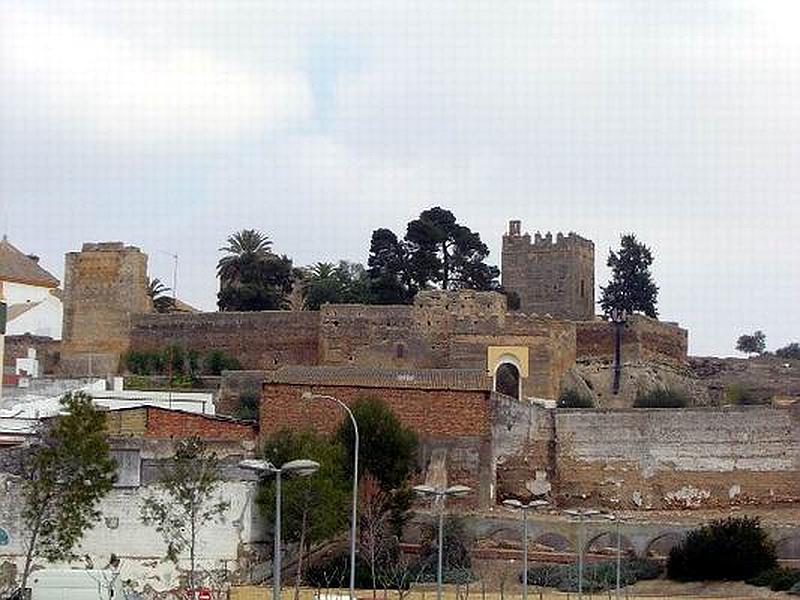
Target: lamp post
[(524, 508), (301, 467), (353, 517), (454, 491), (581, 514), (617, 520)]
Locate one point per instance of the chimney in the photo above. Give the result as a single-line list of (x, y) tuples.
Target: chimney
[(34, 258)]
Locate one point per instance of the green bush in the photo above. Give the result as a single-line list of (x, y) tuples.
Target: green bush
[(573, 399), (457, 543), (741, 395), (778, 579), (143, 363), (596, 576), (661, 398), (218, 361), (248, 407), (732, 549)]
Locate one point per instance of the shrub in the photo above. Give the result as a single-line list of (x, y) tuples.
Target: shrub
[(661, 398), (248, 407), (596, 576), (143, 363), (573, 399), (456, 555), (790, 351), (733, 549), (741, 395), (218, 361), (778, 579)]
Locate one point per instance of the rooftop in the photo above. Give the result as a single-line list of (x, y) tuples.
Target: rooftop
[(428, 379), (17, 267)]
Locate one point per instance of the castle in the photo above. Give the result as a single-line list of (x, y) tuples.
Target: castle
[(476, 380)]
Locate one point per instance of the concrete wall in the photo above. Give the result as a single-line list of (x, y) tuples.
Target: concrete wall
[(636, 458), (226, 544)]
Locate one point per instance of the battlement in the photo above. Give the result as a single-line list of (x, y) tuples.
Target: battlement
[(107, 247), (550, 276)]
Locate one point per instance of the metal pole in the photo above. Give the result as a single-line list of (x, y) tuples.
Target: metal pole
[(276, 560), (580, 559), (441, 551), (619, 557), (355, 510), (525, 555)]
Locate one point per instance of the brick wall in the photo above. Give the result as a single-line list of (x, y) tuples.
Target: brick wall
[(643, 340), (456, 422), (151, 422), (260, 340)]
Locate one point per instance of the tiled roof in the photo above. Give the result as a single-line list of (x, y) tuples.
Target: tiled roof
[(16, 267), (429, 379)]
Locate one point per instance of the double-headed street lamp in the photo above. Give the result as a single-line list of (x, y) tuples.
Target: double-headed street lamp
[(581, 514), (618, 520), (353, 517), (524, 509), (439, 494), (301, 467)]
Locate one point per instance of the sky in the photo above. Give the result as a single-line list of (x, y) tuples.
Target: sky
[(170, 125)]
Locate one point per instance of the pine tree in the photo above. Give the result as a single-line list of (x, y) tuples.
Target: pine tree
[(631, 288)]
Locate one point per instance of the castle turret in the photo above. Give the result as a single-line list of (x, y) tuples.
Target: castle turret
[(550, 277)]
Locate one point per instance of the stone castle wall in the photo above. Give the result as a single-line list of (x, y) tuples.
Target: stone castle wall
[(260, 340), (643, 340), (550, 277), (667, 458), (48, 351), (105, 284)]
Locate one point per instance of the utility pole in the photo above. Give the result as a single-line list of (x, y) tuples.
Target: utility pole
[(3, 317), (618, 320)]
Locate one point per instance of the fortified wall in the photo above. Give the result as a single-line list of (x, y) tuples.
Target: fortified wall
[(643, 340), (649, 458)]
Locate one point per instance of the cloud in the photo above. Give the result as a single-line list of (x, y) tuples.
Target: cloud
[(119, 92)]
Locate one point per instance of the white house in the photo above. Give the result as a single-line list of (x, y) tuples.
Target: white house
[(30, 292)]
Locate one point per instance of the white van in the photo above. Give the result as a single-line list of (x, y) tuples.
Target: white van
[(75, 584)]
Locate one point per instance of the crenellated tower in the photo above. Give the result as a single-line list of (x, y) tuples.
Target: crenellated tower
[(553, 277)]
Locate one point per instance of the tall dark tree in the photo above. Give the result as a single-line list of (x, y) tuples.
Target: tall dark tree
[(437, 252), (251, 276), (631, 288), (448, 255), (389, 278)]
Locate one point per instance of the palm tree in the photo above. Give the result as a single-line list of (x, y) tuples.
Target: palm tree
[(157, 292), (247, 250)]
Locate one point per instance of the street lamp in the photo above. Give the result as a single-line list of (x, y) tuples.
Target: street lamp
[(454, 491), (301, 467), (524, 508), (617, 519), (581, 514), (307, 396)]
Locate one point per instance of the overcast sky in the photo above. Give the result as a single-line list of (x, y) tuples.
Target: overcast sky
[(170, 124)]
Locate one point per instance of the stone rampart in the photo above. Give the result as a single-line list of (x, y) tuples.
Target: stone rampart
[(643, 340), (650, 459), (260, 340)]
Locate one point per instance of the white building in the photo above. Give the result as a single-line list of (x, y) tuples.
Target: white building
[(31, 294)]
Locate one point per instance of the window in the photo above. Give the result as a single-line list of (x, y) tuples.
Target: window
[(128, 468)]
